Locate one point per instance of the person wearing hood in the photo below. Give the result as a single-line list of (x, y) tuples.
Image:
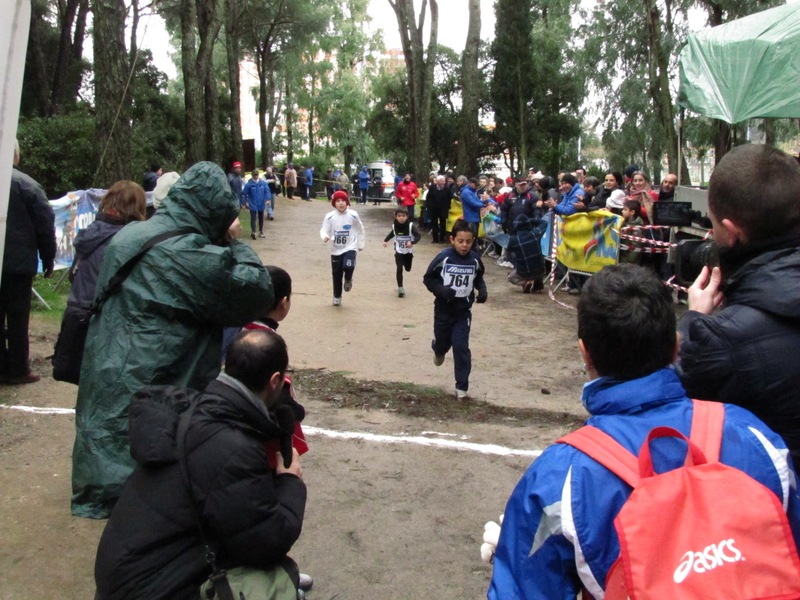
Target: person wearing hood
[(525, 250), (124, 203), (236, 434), (163, 326), (748, 353)]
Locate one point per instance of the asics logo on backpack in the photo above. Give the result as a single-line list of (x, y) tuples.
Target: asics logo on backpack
[(710, 558)]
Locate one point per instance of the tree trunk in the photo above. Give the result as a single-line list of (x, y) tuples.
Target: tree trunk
[(76, 57), (37, 62), (266, 137), (311, 118), (63, 58), (470, 84), (419, 68), (769, 132), (273, 110), (722, 144), (233, 54), (111, 70), (194, 122), (212, 119), (289, 124)]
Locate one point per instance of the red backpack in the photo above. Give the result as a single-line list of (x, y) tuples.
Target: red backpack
[(702, 531)]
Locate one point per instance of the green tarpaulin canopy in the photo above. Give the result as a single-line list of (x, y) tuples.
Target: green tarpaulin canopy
[(748, 68)]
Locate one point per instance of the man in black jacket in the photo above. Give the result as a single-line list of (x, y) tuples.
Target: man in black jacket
[(30, 236), (748, 353), (437, 203), (520, 201), (252, 513)]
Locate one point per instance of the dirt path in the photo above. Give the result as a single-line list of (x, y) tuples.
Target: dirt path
[(384, 519)]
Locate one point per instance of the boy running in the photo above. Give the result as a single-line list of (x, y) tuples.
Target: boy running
[(452, 278), (344, 227), (406, 235)]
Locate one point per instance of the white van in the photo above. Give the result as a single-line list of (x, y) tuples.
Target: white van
[(385, 191)]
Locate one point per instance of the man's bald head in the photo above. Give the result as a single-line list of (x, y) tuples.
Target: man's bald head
[(255, 356)]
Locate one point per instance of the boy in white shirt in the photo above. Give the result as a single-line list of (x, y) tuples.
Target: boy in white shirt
[(345, 228)]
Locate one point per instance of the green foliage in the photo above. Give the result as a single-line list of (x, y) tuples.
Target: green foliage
[(157, 119), (55, 292), (388, 121), (59, 152)]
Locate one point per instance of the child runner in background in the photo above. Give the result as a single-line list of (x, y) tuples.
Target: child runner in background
[(344, 227), (452, 278), (630, 213), (405, 234), (255, 196)]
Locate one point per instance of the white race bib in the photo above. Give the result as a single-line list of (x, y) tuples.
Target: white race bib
[(459, 277), (340, 238), (400, 244)]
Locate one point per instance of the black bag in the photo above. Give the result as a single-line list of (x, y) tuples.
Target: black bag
[(68, 354)]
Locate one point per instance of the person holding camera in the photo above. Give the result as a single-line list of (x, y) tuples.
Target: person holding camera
[(748, 353)]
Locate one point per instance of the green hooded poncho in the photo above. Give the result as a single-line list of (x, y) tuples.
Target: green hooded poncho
[(163, 326)]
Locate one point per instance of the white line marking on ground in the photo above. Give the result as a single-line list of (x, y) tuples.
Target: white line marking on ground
[(349, 435), (423, 441), (42, 411)]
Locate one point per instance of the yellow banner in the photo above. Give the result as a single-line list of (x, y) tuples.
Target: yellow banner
[(588, 241), (456, 213)]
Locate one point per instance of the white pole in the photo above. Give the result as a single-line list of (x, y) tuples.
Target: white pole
[(13, 44)]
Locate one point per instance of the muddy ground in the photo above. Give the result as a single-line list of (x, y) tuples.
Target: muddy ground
[(384, 520)]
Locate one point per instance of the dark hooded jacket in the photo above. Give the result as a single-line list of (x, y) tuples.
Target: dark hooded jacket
[(164, 325), (517, 204), (90, 247), (748, 353), (525, 247), (151, 547)]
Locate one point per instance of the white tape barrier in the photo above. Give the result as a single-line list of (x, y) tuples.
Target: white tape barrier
[(351, 435)]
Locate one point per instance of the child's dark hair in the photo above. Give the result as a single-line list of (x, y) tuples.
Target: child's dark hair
[(627, 322), (281, 285), (400, 210), (633, 205), (461, 225)]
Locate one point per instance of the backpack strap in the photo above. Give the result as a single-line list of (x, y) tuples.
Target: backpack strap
[(708, 419), (603, 448)]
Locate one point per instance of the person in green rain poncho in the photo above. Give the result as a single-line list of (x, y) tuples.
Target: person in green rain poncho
[(163, 326)]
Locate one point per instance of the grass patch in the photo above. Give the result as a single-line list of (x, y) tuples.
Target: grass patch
[(55, 298), (419, 401)]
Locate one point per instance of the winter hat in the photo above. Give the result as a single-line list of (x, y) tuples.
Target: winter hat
[(237, 164), (166, 181), (339, 195)]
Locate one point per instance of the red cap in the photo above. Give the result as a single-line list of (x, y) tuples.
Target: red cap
[(237, 164), (509, 180), (339, 195)]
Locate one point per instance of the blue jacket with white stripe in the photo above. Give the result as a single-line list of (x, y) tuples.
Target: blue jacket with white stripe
[(558, 531)]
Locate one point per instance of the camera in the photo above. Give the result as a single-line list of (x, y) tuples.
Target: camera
[(690, 258)]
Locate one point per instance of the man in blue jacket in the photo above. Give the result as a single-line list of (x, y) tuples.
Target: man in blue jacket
[(256, 196), (363, 184), (572, 196), (471, 203), (558, 536), (309, 182)]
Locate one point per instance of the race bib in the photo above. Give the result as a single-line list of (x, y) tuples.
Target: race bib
[(340, 238), (459, 277), (400, 244)]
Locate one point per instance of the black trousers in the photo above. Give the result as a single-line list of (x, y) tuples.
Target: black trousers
[(15, 310), (342, 265), (253, 215), (289, 192), (439, 224), (451, 330), (364, 192), (403, 261)]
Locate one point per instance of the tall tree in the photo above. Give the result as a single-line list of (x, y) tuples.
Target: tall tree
[(203, 19), (512, 82), (233, 55), (419, 68), (112, 74), (470, 93)]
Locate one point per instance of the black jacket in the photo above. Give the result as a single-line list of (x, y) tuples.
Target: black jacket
[(30, 227), (90, 247), (749, 352), (151, 547), (517, 204), (438, 200), (446, 272)]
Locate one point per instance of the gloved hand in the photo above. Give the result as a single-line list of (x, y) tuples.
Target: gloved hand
[(491, 535), (447, 294), (482, 296)]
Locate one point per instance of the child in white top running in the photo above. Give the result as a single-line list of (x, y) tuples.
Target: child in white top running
[(345, 228)]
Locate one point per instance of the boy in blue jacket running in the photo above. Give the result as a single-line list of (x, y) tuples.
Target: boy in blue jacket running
[(452, 278)]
